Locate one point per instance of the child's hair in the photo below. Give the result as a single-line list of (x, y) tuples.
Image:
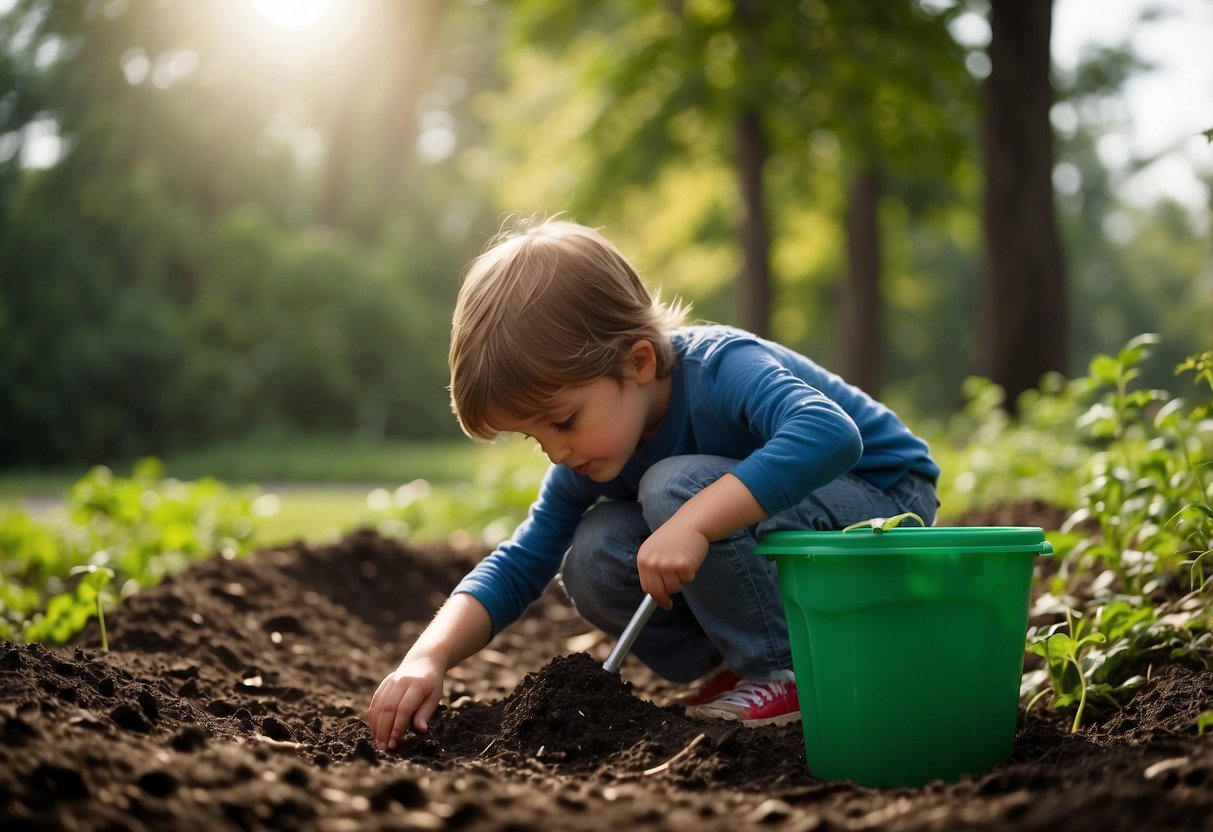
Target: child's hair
[(550, 304)]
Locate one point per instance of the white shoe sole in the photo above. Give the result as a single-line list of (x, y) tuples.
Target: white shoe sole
[(702, 712)]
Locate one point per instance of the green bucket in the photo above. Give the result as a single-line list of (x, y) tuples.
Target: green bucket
[(908, 646)]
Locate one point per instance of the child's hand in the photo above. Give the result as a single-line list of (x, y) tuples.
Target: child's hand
[(669, 559), (409, 694)]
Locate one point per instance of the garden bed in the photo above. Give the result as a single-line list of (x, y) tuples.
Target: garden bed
[(234, 694)]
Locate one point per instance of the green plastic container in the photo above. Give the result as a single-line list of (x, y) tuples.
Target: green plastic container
[(908, 646)]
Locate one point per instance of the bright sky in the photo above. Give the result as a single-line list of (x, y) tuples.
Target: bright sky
[(294, 14), (1164, 111)]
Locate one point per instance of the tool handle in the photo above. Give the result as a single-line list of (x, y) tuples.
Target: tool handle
[(628, 637)]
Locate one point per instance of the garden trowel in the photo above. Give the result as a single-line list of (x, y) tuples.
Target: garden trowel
[(628, 637)]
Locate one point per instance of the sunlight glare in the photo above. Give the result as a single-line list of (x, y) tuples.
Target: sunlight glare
[(293, 14)]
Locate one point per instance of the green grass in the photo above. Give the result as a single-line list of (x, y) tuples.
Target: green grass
[(332, 459), (316, 514), (320, 482), (349, 459)]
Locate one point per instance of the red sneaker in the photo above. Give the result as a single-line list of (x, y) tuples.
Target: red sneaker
[(711, 686), (755, 702)]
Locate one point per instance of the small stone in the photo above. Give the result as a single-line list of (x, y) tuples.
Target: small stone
[(158, 783), (58, 782), (276, 729), (404, 791), (189, 738), (130, 716), (149, 705)]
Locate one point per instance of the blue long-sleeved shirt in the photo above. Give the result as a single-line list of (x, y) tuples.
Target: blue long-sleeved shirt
[(792, 425)]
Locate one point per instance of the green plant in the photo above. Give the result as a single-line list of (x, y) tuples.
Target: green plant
[(68, 612), (1203, 721), (124, 532), (1137, 549), (1195, 517), (483, 511), (990, 457), (1101, 654), (1069, 662), (880, 525)]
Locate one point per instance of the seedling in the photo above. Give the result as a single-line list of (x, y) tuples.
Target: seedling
[(94, 581), (1205, 720), (67, 612), (132, 532), (1069, 662)]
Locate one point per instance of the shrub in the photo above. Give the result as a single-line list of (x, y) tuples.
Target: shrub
[(119, 532)]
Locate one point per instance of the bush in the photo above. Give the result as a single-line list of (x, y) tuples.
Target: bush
[(1134, 579), (126, 532)]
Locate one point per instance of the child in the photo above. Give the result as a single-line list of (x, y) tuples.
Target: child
[(674, 449)]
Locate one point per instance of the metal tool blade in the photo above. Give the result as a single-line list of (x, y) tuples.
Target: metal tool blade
[(628, 637)]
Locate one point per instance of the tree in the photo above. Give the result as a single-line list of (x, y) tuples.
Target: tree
[(862, 316), (371, 100), (1024, 315), (166, 280), (748, 83)]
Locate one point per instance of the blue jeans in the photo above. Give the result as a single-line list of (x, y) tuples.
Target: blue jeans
[(732, 611)]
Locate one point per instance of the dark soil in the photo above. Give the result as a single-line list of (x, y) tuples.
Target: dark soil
[(234, 694)]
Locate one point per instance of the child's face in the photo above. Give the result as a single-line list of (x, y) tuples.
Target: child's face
[(594, 428)]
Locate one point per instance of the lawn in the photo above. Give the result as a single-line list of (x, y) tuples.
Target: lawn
[(312, 487)]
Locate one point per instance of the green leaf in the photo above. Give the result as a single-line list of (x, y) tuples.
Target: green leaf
[(1138, 348), (1092, 662), (1091, 638), (1100, 420), (1132, 683), (1203, 508), (1104, 368), (1203, 721), (1170, 415), (1059, 644)]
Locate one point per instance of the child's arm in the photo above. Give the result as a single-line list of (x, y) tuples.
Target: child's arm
[(671, 556), (411, 692)]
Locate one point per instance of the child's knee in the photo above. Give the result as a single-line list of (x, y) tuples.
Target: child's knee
[(674, 480), (604, 545)]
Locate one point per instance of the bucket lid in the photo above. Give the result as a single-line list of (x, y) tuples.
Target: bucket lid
[(908, 540)]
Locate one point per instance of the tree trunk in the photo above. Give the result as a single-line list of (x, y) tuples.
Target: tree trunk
[(416, 26), (755, 286), (859, 336), (342, 126), (1024, 313), (381, 87)]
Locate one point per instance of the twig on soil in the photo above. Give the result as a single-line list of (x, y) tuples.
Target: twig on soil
[(285, 745), (680, 755)]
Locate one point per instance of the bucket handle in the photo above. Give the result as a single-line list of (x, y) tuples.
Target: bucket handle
[(880, 525)]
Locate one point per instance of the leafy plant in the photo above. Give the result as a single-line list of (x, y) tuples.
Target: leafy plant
[(483, 511), (1137, 548), (1203, 721), (1069, 661), (1037, 454), (67, 613), (115, 532)]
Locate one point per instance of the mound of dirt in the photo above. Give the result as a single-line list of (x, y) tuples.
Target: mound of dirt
[(234, 695)]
